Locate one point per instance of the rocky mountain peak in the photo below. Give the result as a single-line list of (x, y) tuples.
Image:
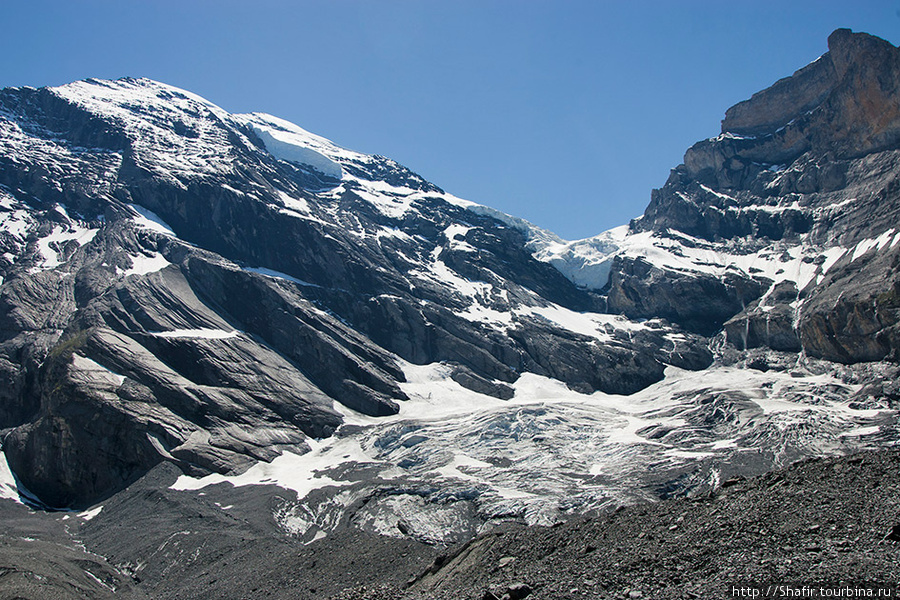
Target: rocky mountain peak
[(845, 101), (214, 276), (791, 146), (788, 215), (767, 111), (847, 50)]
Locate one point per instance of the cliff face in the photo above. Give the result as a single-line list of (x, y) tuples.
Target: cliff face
[(846, 102), (800, 196)]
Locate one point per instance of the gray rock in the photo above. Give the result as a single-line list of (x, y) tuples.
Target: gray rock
[(472, 381), (697, 302)]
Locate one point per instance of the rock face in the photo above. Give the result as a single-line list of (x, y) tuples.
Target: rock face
[(642, 290), (783, 229), (845, 102)]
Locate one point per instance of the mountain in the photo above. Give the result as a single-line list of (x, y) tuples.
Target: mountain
[(184, 284), (332, 348), (784, 228)]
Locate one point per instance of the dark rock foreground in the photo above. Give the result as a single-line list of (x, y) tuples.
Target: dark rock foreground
[(822, 520)]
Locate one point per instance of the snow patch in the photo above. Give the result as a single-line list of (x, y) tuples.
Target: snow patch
[(886, 239), (146, 218), (206, 334), (90, 514), (456, 234), (391, 201), (300, 473), (16, 223), (86, 364), (861, 431), (595, 325), (392, 232), (141, 264), (51, 246), (295, 204), (9, 488)]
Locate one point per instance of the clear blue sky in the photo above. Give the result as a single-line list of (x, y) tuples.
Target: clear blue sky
[(563, 112)]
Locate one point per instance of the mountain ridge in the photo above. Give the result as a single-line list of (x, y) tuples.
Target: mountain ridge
[(786, 172)]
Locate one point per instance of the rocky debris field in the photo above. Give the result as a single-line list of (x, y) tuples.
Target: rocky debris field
[(151, 542), (39, 560), (822, 520)]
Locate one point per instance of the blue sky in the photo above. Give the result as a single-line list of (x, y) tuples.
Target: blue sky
[(566, 113)]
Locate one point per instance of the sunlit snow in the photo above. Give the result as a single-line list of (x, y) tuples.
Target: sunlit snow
[(293, 146), (8, 487), (88, 515), (142, 264), (290, 471), (50, 246), (148, 219), (97, 370), (206, 334)]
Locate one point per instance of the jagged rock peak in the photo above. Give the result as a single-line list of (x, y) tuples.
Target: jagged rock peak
[(805, 171), (854, 85)]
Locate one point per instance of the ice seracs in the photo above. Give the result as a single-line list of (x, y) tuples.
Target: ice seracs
[(550, 450)]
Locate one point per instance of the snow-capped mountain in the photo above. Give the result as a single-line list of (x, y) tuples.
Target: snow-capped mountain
[(255, 305), (217, 282)]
